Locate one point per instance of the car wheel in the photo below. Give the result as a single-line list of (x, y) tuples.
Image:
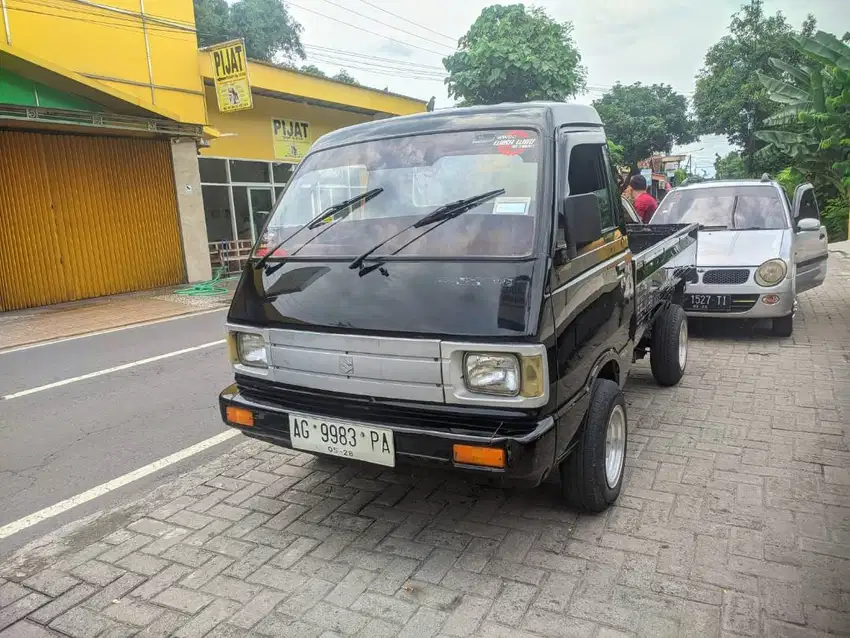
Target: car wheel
[(668, 350), (591, 477), (783, 326)]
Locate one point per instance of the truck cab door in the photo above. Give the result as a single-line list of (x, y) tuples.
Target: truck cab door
[(591, 295), (809, 240)]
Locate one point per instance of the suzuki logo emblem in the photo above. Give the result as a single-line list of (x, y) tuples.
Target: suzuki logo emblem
[(346, 364)]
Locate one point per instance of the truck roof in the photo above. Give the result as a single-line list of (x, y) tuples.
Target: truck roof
[(547, 116)]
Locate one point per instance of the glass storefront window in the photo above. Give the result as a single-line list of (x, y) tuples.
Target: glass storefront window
[(242, 171), (217, 212), (282, 172), (243, 214), (235, 204), (212, 170)]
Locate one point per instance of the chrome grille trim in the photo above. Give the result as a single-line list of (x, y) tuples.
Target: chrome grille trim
[(379, 366)]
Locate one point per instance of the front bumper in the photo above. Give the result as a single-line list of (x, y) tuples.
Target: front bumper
[(747, 300), (530, 455)]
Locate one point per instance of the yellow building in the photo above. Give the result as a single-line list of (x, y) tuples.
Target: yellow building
[(103, 108)]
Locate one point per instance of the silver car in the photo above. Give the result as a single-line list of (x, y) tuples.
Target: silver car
[(756, 252)]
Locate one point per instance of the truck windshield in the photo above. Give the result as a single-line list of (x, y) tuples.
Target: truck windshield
[(415, 175), (724, 207)]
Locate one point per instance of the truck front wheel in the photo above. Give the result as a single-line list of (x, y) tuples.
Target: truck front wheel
[(591, 477), (668, 351)]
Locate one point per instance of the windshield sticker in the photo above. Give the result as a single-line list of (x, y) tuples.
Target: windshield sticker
[(514, 142)]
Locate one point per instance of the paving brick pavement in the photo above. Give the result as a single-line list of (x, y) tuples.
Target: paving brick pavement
[(735, 521)]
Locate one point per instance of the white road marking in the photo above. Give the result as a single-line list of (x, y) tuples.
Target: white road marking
[(114, 484), (140, 324), (100, 373)]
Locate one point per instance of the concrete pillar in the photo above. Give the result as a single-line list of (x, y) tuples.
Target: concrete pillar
[(190, 207)]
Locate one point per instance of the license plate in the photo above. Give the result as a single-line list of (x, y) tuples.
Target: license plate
[(339, 438), (709, 303)]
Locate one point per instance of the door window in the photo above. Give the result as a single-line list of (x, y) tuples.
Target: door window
[(588, 173), (809, 205)]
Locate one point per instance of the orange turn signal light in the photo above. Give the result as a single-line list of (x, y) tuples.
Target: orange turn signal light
[(239, 416), (478, 455)]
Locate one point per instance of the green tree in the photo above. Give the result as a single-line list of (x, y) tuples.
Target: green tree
[(615, 151), (813, 123), (312, 69), (644, 119), (512, 53), (345, 76), (729, 99), (269, 31), (729, 167)]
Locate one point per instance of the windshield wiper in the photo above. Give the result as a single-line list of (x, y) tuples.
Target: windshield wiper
[(713, 227), (319, 219), (442, 214)]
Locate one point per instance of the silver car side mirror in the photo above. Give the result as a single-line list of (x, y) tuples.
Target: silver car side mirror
[(807, 223)]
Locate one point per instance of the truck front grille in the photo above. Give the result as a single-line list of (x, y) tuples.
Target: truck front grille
[(372, 366), (726, 276), (366, 409)]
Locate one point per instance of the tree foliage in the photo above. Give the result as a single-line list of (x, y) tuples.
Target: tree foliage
[(615, 152), (730, 167), (512, 53), (269, 31), (346, 77), (312, 69), (812, 126), (729, 99), (645, 119)]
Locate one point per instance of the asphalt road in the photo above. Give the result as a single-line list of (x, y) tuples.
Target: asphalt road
[(59, 442)]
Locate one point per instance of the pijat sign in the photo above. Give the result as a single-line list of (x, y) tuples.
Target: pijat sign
[(230, 74)]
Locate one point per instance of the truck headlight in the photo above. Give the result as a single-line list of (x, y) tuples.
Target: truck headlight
[(492, 373), (251, 350), (771, 272)]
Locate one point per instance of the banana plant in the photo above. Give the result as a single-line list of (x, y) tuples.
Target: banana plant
[(813, 126)]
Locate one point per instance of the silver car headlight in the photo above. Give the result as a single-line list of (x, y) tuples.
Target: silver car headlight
[(771, 272), (496, 373), (251, 350)]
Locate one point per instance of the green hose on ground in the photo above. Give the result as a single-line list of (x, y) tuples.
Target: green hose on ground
[(211, 288)]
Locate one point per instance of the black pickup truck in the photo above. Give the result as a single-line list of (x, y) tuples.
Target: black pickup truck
[(458, 289)]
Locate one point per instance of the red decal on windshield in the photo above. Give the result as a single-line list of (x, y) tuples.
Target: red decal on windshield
[(514, 142)]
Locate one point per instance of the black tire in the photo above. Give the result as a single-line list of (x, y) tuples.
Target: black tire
[(783, 326), (667, 368), (583, 480)]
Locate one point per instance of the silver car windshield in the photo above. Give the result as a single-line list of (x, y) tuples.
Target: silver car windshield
[(754, 207)]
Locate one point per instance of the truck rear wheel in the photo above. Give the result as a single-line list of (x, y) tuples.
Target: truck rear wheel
[(668, 351), (591, 477)]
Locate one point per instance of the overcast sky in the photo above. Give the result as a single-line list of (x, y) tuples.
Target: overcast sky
[(619, 40)]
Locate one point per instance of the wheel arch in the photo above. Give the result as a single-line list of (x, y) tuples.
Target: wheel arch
[(608, 366)]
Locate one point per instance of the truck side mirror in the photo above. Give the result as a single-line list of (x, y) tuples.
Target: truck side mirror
[(582, 219)]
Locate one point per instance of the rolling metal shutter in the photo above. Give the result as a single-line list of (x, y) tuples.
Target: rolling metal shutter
[(84, 216)]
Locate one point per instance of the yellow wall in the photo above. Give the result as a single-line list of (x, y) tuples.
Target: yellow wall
[(109, 44), (248, 134)]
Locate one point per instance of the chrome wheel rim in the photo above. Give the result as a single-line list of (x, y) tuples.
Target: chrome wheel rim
[(683, 345), (615, 446)]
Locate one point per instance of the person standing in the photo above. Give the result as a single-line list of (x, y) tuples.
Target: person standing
[(644, 203)]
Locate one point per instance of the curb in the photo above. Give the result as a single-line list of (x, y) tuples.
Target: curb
[(132, 324)]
